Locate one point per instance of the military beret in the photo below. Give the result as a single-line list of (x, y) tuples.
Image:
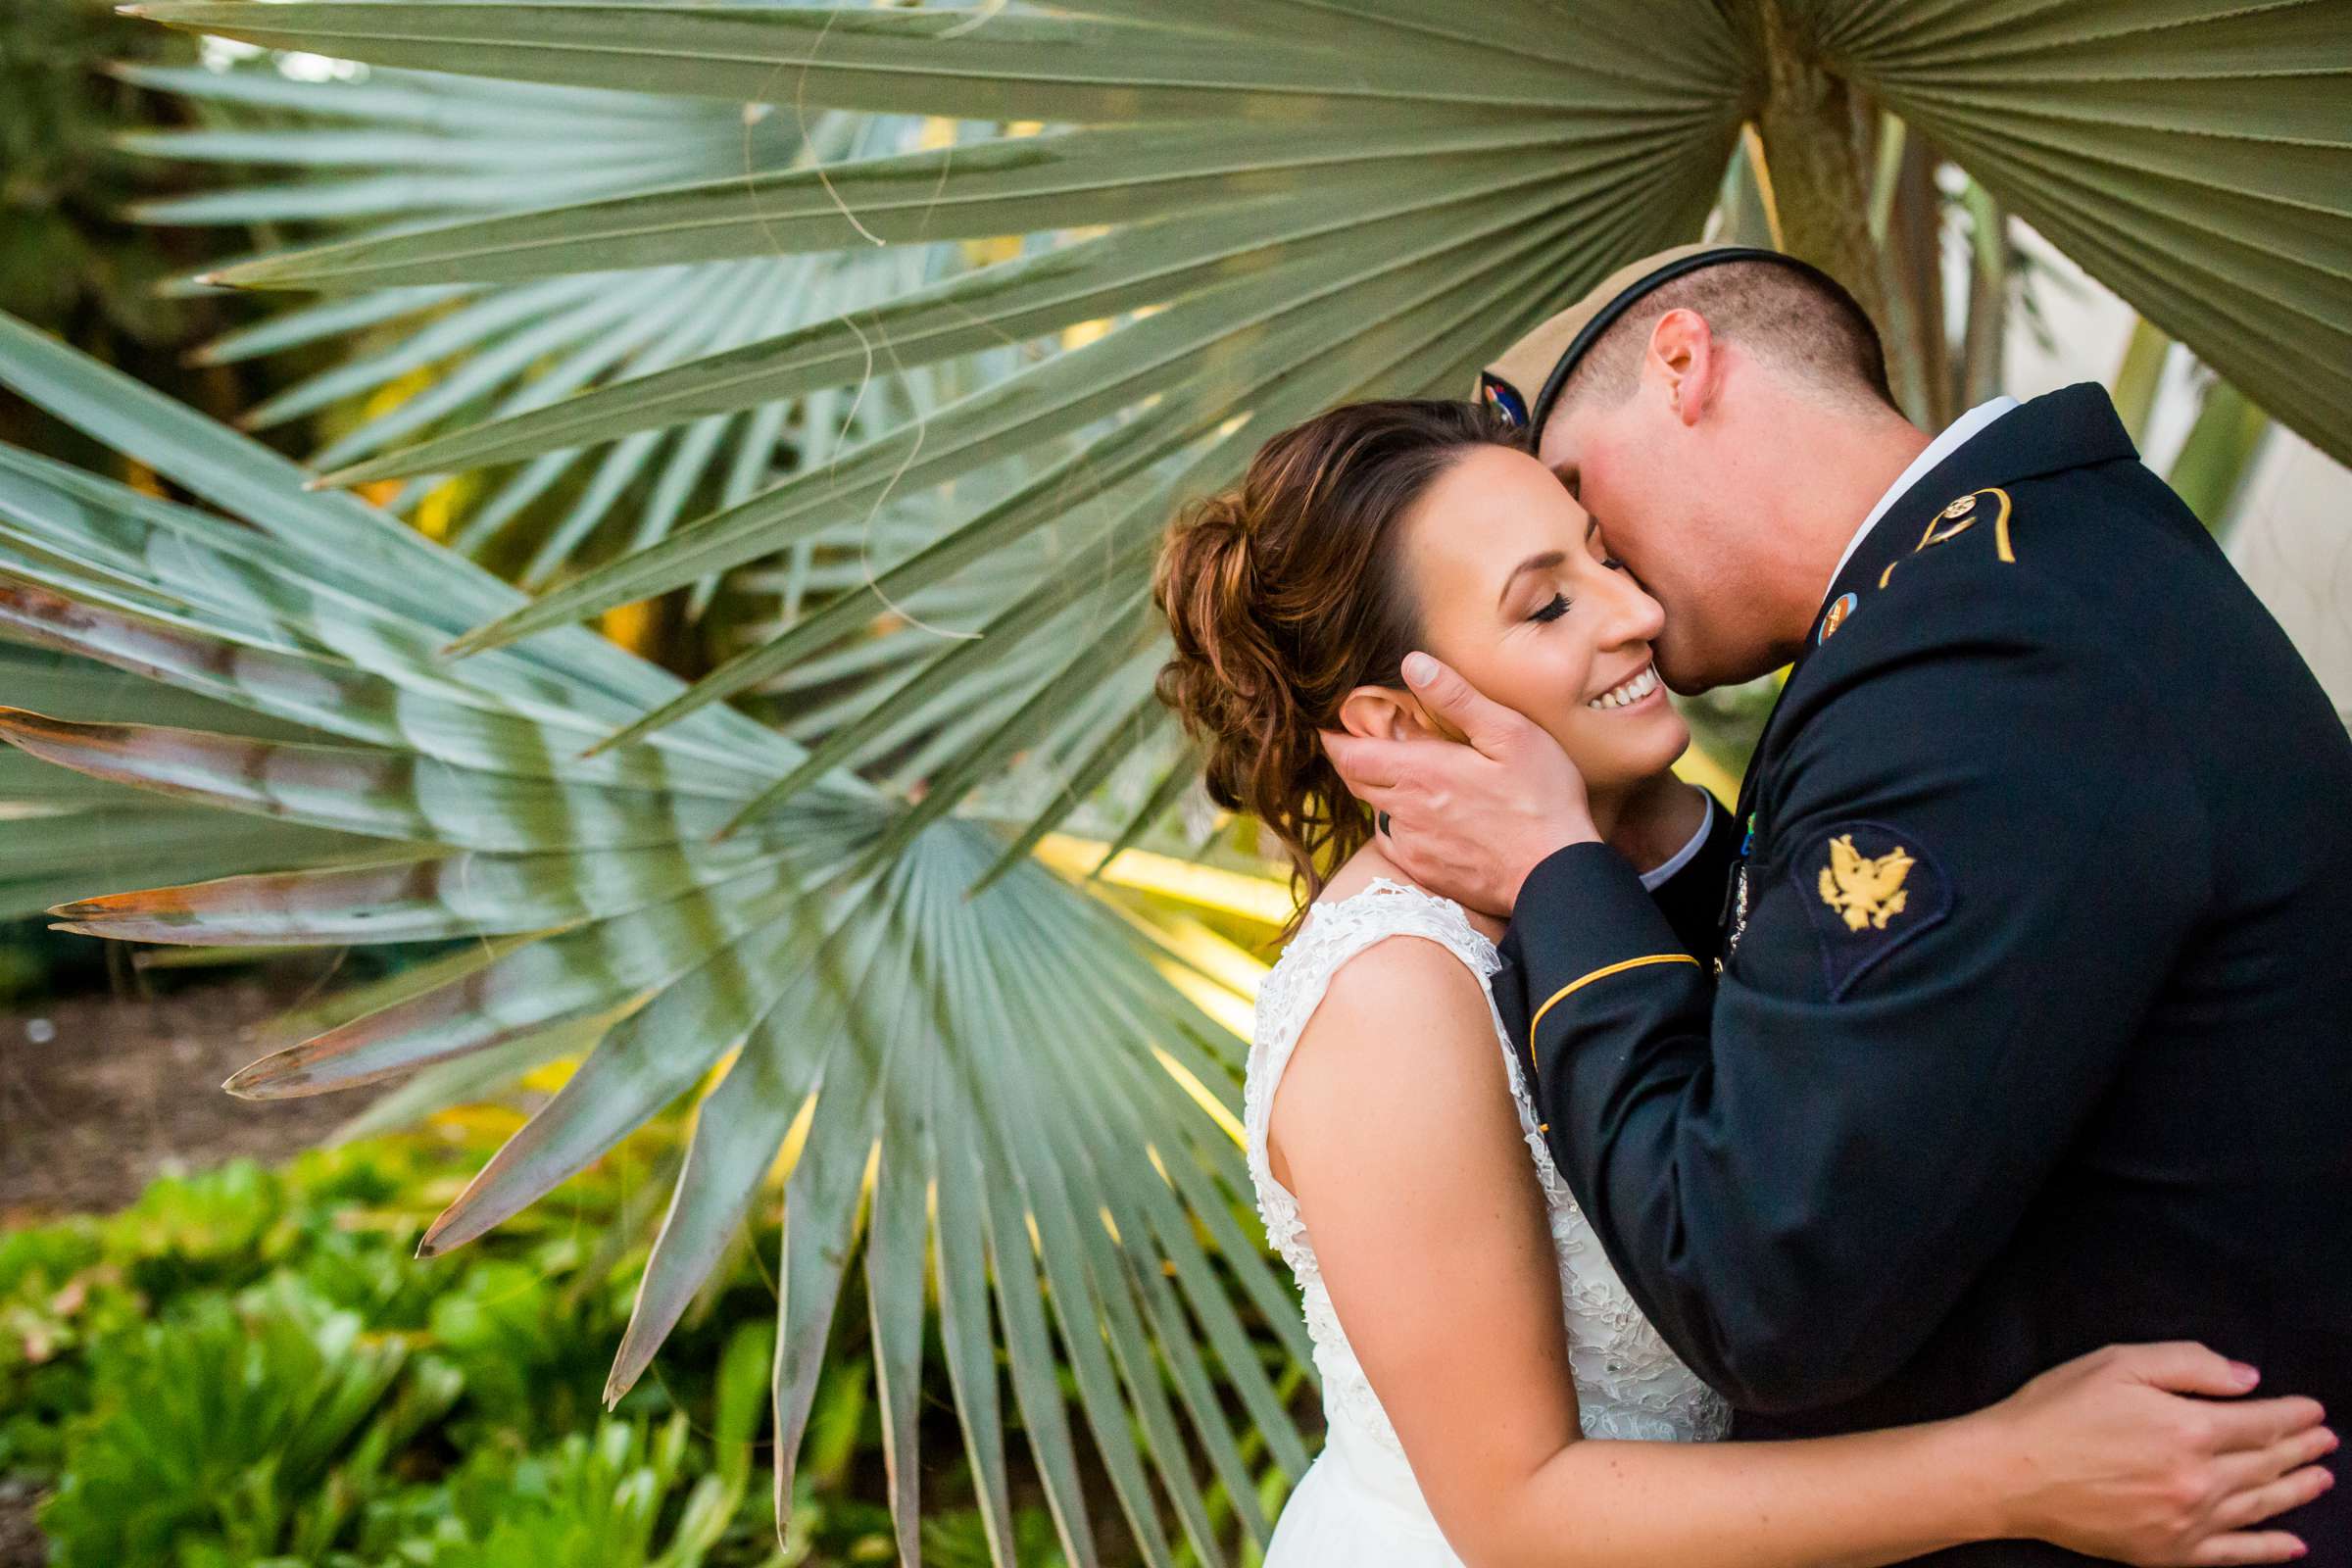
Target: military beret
[(1526, 379)]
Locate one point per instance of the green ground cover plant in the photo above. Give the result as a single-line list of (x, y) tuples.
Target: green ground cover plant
[(249, 1369)]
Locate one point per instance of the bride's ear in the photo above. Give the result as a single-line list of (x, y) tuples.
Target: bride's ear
[(1382, 713)]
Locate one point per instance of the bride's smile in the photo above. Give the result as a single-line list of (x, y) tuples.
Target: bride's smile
[(1630, 694)]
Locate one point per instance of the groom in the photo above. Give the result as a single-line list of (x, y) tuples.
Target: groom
[(2028, 1028)]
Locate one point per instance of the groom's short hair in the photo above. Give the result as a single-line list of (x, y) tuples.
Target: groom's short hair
[(1797, 322), (1786, 312)]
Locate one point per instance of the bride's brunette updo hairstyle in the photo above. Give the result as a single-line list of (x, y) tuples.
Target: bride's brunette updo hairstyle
[(1287, 593)]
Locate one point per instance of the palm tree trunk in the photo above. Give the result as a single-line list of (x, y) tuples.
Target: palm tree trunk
[(1911, 256), (1818, 137)]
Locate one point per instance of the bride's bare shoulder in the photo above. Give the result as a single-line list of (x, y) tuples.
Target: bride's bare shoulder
[(1394, 1000), (1399, 1053)]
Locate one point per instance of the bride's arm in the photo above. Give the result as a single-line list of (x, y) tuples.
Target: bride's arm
[(1394, 1125)]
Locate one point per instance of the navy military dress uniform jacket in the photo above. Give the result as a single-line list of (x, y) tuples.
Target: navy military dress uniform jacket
[(2032, 1028)]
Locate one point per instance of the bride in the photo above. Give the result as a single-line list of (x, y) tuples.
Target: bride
[(1492, 1395)]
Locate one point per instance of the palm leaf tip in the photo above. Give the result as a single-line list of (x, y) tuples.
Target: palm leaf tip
[(639, 1342), (479, 639), (101, 916), (622, 737), (52, 739), (353, 473), (464, 1219), (272, 1077)]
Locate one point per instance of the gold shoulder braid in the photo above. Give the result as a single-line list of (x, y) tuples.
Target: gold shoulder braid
[(1956, 519)]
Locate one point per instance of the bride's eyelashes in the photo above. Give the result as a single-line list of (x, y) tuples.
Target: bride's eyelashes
[(1559, 604)]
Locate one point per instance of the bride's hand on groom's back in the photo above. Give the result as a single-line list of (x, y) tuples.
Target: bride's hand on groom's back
[(1467, 821), (2147, 1453)]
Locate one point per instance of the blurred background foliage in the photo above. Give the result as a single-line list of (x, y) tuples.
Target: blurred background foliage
[(73, 258)]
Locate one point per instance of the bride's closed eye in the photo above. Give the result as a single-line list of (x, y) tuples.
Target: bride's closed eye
[(1558, 604)]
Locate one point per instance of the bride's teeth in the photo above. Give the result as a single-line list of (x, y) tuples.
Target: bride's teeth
[(1633, 690)]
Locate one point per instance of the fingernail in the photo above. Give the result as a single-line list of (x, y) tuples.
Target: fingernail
[(2246, 1376), (1419, 667)]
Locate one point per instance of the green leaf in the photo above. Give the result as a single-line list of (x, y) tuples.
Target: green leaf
[(2190, 154), (746, 974), (997, 67)]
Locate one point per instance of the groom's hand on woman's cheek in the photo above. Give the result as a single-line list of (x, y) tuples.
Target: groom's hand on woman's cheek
[(1468, 821)]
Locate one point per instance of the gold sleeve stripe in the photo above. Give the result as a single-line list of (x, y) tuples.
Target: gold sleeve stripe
[(1601, 974)]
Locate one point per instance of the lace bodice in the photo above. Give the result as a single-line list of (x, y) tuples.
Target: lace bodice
[(1627, 1383)]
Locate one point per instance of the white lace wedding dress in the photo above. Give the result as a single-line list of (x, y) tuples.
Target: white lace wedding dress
[(1358, 1505)]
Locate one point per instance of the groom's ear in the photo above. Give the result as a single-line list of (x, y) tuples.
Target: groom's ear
[(1687, 361)]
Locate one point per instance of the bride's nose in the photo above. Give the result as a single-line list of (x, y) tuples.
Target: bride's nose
[(1630, 616)]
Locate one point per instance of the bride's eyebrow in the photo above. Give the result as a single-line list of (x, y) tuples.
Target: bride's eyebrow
[(1545, 561)]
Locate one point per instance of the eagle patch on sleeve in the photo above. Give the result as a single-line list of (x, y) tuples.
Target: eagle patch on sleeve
[(1868, 889)]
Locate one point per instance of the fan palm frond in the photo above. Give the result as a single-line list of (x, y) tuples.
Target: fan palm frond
[(1012, 1101)]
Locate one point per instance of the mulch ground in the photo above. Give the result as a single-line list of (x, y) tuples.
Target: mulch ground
[(101, 1094), (22, 1544)]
